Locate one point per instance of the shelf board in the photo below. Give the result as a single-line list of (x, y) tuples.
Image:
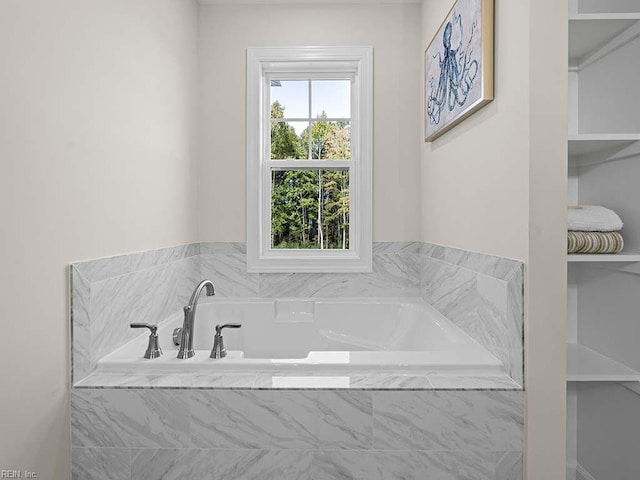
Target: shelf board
[(604, 257), (589, 32), (604, 144), (587, 365)]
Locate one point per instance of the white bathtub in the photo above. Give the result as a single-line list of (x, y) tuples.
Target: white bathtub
[(309, 335)]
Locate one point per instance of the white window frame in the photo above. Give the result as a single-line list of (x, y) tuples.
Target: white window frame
[(297, 62)]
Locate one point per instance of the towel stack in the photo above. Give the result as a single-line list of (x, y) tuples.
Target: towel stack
[(593, 229)]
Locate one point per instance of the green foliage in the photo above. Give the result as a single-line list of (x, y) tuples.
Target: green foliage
[(309, 208)]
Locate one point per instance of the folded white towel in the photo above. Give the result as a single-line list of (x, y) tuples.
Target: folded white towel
[(593, 218)]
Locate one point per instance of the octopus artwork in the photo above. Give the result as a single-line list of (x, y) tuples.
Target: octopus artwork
[(458, 70), (455, 82)]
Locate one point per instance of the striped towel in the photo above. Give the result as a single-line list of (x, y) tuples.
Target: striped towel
[(594, 242)]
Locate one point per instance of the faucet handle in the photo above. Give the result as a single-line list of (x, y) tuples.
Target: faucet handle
[(153, 349), (219, 351), (153, 328), (226, 325)]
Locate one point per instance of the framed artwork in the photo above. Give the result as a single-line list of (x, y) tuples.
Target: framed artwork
[(459, 66)]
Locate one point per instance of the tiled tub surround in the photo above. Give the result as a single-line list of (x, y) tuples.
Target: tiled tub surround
[(313, 427), (296, 434), (481, 294)]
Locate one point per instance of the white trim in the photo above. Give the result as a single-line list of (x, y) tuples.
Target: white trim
[(357, 64)]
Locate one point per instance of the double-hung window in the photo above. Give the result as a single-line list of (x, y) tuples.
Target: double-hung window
[(309, 159)]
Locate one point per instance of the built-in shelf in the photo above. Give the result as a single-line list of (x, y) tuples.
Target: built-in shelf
[(589, 32), (603, 145), (604, 257), (587, 365)]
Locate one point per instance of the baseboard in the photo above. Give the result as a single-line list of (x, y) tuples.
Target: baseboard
[(582, 474)]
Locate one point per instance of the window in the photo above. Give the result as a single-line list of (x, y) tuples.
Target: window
[(309, 159)]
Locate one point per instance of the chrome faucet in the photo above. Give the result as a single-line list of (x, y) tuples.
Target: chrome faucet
[(186, 340)]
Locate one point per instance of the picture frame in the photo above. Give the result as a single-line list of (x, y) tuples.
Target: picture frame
[(458, 66)]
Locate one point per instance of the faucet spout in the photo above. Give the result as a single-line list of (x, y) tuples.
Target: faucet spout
[(186, 341)]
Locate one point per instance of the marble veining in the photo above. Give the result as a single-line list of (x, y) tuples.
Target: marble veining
[(131, 418), (82, 363), (229, 273), (256, 464), (259, 420), (221, 464), (508, 465), (297, 435), (146, 296), (318, 381), (448, 420), (487, 308), (360, 425), (491, 265), (100, 463), (482, 294), (439, 465), (109, 267)]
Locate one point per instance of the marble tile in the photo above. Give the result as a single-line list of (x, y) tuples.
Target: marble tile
[(396, 247), (81, 361), (223, 247), (394, 275), (253, 419), (442, 284), (341, 381), (448, 420), (345, 420), (302, 381), (479, 305), (345, 465), (135, 380), (200, 464), (189, 276), (228, 272), (147, 296), (225, 381), (100, 464), (173, 464), (441, 465), (129, 418), (509, 466), (432, 250), (491, 265), (270, 465), (515, 319), (468, 382), (273, 285), (391, 382), (109, 267)]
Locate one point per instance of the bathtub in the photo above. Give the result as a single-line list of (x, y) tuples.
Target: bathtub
[(314, 335)]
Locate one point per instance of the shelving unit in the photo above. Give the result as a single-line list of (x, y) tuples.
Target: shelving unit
[(590, 32), (604, 144), (600, 258), (587, 365), (603, 291)]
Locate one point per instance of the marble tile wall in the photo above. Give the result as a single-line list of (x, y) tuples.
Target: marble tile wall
[(396, 273), (481, 294), (296, 434), (108, 294)]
